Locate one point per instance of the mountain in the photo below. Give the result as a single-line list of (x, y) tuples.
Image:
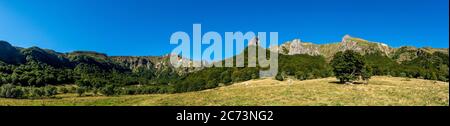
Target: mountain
[(50, 57), (153, 63), (10, 54), (16, 55), (407, 53), (362, 46)]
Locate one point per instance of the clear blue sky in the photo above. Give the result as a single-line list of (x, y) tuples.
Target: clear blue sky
[(143, 27)]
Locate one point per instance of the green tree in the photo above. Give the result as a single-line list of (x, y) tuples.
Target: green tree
[(63, 90), (347, 65), (108, 90), (11, 91), (50, 91), (80, 91), (366, 73), (36, 92)]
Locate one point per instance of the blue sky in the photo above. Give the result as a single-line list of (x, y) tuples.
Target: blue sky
[(143, 27)]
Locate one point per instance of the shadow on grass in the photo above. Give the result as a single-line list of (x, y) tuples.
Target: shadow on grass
[(343, 83), (336, 82)]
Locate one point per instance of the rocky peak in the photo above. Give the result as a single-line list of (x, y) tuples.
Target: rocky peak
[(296, 46), (348, 42), (344, 39), (254, 41)]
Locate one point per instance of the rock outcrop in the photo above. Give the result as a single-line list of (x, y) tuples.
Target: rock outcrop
[(297, 47)]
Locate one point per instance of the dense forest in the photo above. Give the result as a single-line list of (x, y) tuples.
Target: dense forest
[(40, 73)]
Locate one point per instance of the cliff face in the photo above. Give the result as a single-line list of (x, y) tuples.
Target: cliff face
[(154, 63), (297, 47), (135, 63)]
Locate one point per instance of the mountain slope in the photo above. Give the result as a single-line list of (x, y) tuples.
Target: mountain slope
[(17, 56), (13, 55), (356, 44), (10, 54)]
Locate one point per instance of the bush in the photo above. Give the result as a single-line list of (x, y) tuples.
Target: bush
[(36, 93), (433, 76), (403, 74), (63, 90), (83, 83), (95, 91), (226, 77), (300, 75), (165, 89), (11, 91), (366, 73), (80, 91), (50, 91), (72, 90), (108, 90), (279, 77), (211, 84)]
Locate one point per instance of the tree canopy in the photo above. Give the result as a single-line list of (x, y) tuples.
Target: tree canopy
[(348, 66)]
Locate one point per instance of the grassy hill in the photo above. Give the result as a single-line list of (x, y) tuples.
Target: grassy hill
[(381, 91)]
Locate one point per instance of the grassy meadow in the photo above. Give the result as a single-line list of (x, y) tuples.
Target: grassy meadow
[(381, 91)]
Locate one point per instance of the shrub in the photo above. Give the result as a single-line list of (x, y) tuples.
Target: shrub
[(211, 84), (279, 77), (83, 83), (300, 75), (11, 91), (72, 90), (433, 76), (80, 91), (95, 91), (63, 90), (166, 89), (366, 73), (226, 77), (36, 92), (50, 91), (402, 74), (108, 90)]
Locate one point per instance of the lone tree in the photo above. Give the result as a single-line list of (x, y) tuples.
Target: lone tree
[(349, 66)]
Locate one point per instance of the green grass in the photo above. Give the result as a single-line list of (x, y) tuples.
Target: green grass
[(382, 91)]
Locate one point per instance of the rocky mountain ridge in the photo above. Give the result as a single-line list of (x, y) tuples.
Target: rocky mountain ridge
[(17, 55), (362, 46)]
